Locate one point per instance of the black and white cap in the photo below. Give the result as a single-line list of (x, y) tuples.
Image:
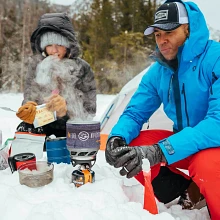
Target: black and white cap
[(168, 17)]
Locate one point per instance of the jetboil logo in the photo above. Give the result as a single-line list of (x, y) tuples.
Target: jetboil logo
[(83, 135), (161, 15)]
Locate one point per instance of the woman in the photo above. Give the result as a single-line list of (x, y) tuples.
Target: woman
[(57, 77)]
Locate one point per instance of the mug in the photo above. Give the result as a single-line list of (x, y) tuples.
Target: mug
[(17, 160), (57, 151)]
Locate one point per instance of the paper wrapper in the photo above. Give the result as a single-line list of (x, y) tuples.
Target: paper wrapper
[(43, 116)]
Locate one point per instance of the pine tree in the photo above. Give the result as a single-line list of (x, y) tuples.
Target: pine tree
[(17, 21), (101, 34), (99, 31)]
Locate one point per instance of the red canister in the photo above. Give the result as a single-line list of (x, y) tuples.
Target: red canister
[(17, 160)]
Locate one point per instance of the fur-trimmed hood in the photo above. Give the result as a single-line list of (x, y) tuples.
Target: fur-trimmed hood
[(55, 22)]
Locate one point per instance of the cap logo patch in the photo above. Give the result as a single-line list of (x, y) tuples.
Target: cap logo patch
[(161, 15)]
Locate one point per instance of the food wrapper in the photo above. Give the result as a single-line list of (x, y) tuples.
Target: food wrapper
[(43, 116)]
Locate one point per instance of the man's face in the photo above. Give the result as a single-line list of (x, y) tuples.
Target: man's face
[(168, 42), (56, 50)]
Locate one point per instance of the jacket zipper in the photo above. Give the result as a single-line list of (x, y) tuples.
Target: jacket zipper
[(214, 78), (184, 95), (170, 88)]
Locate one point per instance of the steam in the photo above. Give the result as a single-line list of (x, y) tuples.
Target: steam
[(53, 74), (44, 70)]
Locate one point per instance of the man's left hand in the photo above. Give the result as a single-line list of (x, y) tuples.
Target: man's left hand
[(131, 161)]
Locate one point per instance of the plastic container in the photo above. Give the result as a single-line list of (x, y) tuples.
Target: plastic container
[(25, 142), (57, 151), (41, 176)]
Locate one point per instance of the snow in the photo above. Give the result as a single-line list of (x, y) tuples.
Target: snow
[(146, 165), (110, 197)]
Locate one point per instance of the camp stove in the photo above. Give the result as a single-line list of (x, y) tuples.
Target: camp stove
[(83, 175), (83, 142)]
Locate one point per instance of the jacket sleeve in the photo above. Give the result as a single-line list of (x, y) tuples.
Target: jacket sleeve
[(204, 135), (29, 92), (142, 105)]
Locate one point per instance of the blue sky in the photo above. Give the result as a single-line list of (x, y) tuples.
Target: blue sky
[(210, 8), (62, 2)]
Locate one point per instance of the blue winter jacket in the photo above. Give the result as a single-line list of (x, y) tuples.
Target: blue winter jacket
[(190, 95)]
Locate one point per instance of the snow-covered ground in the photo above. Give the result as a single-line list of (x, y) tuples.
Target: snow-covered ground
[(111, 197)]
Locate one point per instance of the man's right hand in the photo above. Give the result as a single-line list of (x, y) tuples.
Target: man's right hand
[(27, 112), (115, 148)]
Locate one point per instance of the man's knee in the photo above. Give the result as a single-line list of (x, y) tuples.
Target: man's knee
[(205, 164)]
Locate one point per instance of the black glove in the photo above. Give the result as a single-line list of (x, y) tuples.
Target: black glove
[(115, 148), (131, 161)]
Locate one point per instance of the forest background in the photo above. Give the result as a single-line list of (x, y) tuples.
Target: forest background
[(110, 33)]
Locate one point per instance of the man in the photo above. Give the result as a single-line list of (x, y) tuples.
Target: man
[(184, 78)]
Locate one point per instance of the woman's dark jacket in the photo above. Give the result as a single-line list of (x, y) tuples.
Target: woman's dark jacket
[(81, 77)]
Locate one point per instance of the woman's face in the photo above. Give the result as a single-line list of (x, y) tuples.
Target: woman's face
[(56, 50)]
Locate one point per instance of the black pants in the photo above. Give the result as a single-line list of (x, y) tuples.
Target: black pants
[(168, 185), (47, 129)]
